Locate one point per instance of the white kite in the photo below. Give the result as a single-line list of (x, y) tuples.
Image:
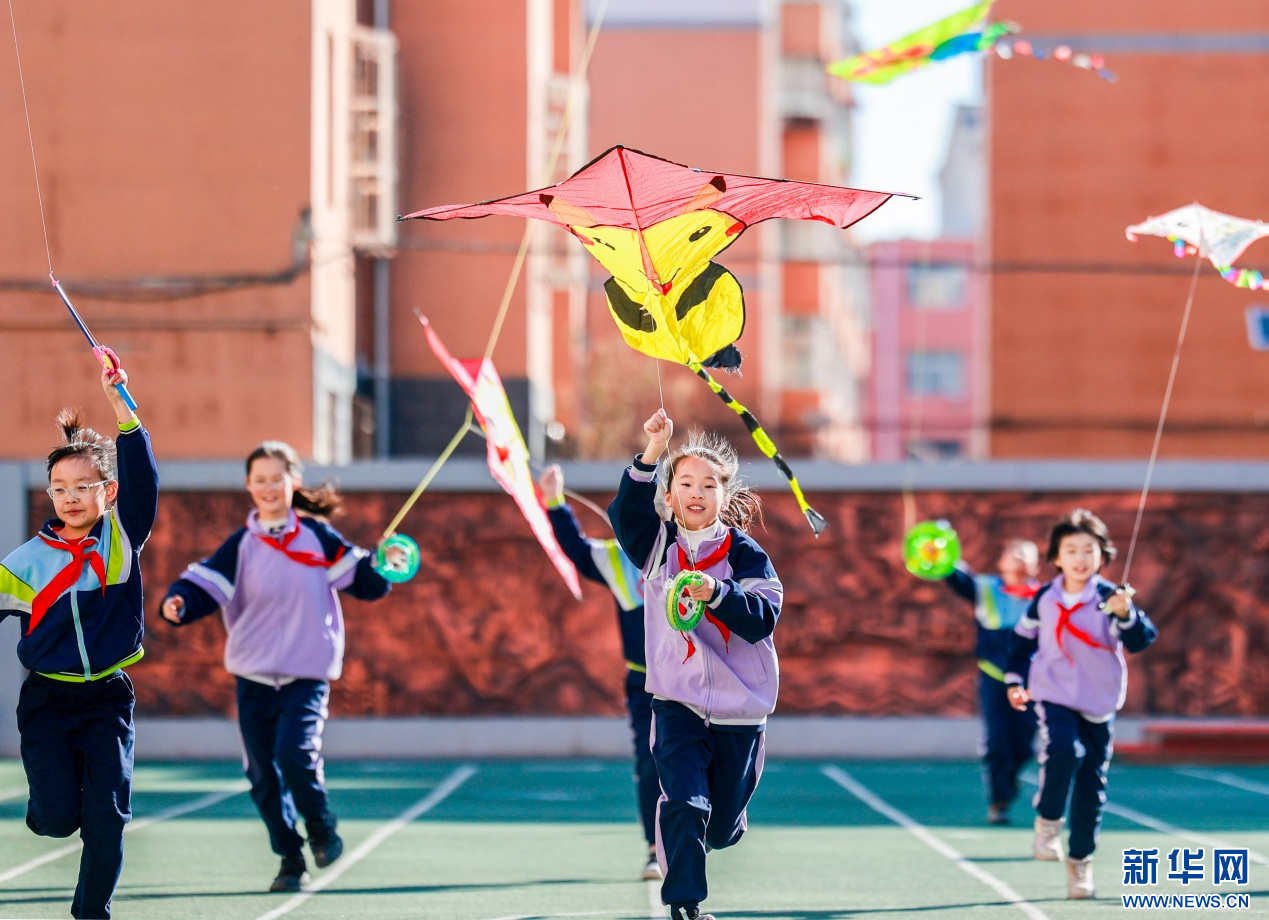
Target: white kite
[(1220, 238)]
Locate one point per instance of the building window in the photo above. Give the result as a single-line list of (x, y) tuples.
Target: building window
[(1258, 327), (804, 345), (936, 373), (931, 451), (936, 287)]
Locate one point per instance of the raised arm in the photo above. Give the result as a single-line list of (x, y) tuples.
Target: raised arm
[(138, 500), (634, 515), (635, 521), (962, 582), (568, 530)]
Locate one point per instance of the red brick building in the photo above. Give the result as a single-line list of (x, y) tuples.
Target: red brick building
[(229, 227), (1084, 323)]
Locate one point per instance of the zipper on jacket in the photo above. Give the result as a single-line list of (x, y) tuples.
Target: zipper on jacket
[(79, 634), (709, 679)]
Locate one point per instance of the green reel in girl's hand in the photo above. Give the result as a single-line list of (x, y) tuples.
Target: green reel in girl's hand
[(684, 612), (398, 558), (931, 550)]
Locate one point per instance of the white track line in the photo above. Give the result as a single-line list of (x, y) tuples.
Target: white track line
[(877, 804), (555, 916), (15, 792), (1163, 827), (166, 814), (1228, 779), (422, 806)]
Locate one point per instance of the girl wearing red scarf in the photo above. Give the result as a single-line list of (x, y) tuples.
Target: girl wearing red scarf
[(76, 586)]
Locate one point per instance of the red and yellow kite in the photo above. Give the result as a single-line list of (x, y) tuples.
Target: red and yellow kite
[(507, 453), (656, 226)]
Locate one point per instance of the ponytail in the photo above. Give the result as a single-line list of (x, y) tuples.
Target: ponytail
[(79, 441), (324, 501), (744, 508)]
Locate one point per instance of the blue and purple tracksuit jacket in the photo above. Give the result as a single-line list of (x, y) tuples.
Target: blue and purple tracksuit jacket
[(1074, 656), (278, 594), (80, 602), (725, 670), (604, 562)]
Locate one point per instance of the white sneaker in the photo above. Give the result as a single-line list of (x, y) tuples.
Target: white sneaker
[(1048, 840), (1079, 879), (652, 870)]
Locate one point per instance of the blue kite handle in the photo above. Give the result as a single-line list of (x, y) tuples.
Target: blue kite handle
[(127, 397)]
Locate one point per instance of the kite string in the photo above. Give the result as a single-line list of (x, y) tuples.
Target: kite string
[(914, 433), (48, 251), (430, 475), (517, 266), (557, 145), (1163, 414), (691, 551)]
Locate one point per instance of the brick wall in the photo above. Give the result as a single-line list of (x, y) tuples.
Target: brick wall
[(488, 628)]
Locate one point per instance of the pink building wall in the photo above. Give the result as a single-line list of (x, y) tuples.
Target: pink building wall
[(898, 418)]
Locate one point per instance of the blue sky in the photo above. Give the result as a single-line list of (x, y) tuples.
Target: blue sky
[(901, 129)]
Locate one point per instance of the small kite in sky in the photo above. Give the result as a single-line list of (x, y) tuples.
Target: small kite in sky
[(1219, 238), (965, 32)]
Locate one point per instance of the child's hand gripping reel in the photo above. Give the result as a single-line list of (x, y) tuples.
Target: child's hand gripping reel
[(682, 611), (397, 558), (1125, 589)]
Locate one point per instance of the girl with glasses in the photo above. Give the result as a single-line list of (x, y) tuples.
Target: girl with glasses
[(76, 587)]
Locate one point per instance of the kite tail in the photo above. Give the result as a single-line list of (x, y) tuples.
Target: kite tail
[(765, 444)]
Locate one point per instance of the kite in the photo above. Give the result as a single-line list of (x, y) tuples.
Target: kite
[(656, 226), (1219, 238), (1206, 234), (506, 451), (965, 32)]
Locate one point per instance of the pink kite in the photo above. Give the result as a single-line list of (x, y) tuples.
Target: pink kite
[(507, 453)]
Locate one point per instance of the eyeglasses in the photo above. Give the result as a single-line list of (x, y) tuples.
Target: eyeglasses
[(80, 490)]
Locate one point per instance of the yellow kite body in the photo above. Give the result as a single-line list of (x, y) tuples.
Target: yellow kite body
[(686, 307)]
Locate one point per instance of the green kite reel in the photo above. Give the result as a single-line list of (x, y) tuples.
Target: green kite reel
[(931, 550), (395, 570), (684, 613)]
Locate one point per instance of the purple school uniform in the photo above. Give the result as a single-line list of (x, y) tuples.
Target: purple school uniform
[(1078, 659), (283, 617)]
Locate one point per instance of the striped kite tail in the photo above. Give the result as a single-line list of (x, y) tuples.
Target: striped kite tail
[(765, 444)]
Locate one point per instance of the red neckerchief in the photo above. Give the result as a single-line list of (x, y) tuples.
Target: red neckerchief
[(1064, 623), (713, 558), (1024, 591), (313, 560), (83, 552)]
